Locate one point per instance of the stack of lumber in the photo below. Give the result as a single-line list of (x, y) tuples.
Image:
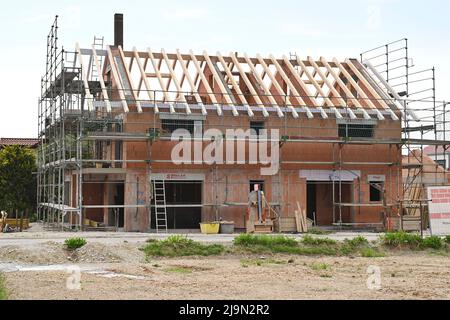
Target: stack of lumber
[(301, 220)]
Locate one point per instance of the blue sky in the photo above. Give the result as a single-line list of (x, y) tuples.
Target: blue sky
[(315, 28)]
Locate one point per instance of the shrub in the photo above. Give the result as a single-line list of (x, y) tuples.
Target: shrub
[(447, 239), (401, 238), (433, 242), (359, 241), (179, 246), (75, 243), (311, 241)]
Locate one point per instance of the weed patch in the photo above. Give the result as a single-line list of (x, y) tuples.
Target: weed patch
[(75, 243)]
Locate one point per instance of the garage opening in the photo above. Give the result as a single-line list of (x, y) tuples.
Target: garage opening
[(184, 205)]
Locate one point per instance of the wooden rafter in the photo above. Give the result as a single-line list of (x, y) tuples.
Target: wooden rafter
[(88, 95), (177, 83), (157, 68), (186, 74), (118, 81), (374, 93), (144, 78), (277, 85), (249, 85), (206, 83), (220, 83), (130, 81), (355, 86), (263, 86), (347, 92), (100, 78), (235, 85)]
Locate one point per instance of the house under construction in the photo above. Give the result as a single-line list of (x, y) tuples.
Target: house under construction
[(107, 115)]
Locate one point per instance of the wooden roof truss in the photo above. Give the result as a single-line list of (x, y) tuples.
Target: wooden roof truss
[(186, 82)]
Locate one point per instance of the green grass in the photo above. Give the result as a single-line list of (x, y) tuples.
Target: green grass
[(370, 252), (320, 266), (180, 246), (402, 239), (75, 243), (3, 292), (264, 240), (357, 242), (447, 239), (312, 241)]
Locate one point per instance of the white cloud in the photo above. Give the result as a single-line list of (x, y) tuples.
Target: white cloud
[(304, 30), (185, 14)]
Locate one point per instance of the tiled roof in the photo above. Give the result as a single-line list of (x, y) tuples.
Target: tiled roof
[(431, 150), (26, 142)]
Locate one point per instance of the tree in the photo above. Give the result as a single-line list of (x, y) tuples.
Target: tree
[(17, 178)]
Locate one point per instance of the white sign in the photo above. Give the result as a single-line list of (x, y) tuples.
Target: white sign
[(178, 176), (439, 210)]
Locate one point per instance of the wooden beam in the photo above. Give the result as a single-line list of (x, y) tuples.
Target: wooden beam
[(375, 94), (358, 89), (235, 85), (262, 84), (342, 85), (175, 80), (160, 79), (219, 81), (277, 85), (144, 79), (249, 85), (117, 80), (130, 81), (205, 83), (100, 78), (88, 95), (191, 82)]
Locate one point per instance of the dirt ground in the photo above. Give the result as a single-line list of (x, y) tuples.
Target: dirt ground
[(119, 271)]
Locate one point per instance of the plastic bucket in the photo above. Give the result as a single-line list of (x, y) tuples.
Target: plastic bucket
[(210, 228), (227, 228)]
